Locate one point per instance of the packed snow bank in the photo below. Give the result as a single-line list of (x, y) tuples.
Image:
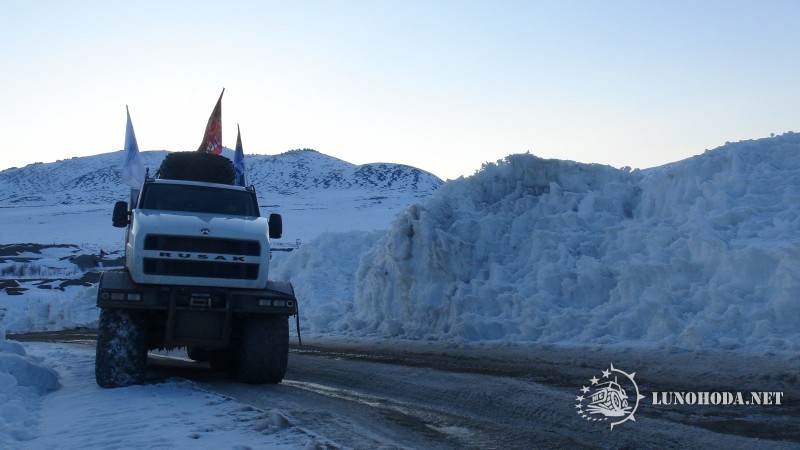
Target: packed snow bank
[(22, 382), (323, 275), (700, 253), (49, 309)]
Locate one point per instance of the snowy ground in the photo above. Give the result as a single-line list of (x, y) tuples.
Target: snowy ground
[(380, 394), (698, 257), (174, 414)]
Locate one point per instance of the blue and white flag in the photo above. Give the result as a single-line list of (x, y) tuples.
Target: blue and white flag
[(132, 167), (238, 160)]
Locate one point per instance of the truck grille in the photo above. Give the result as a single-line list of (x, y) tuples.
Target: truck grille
[(206, 269), (202, 245)]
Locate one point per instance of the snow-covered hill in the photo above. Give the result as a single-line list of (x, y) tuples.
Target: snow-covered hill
[(96, 179), (302, 170), (70, 201)]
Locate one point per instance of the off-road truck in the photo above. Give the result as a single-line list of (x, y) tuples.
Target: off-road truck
[(197, 255)]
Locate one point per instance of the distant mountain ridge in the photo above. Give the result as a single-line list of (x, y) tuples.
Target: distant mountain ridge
[(96, 179)]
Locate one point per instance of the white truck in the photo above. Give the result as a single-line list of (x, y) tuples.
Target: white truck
[(196, 272)]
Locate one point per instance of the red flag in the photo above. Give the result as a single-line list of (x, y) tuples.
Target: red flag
[(212, 139)]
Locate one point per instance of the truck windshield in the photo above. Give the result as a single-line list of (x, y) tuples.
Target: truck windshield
[(199, 199)]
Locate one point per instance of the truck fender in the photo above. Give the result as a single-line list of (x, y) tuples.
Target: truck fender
[(116, 279), (284, 287)]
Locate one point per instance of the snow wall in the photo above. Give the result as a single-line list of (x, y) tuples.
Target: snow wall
[(701, 253)]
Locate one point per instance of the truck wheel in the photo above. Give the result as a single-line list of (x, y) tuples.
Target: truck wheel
[(224, 361), (198, 354), (197, 166), (121, 354), (264, 349)]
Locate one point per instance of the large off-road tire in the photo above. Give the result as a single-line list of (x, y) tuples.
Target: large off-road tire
[(224, 361), (197, 166), (121, 354), (264, 349), (198, 354)]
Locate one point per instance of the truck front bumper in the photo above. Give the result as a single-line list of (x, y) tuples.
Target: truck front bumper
[(117, 290)]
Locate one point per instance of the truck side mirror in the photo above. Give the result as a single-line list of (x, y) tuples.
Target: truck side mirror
[(275, 226), (120, 216)]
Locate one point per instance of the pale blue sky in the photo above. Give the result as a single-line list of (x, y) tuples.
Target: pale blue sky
[(441, 85)]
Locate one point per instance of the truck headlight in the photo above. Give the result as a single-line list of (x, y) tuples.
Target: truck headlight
[(121, 296)]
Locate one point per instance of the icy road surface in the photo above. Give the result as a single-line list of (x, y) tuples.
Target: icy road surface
[(418, 396)]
